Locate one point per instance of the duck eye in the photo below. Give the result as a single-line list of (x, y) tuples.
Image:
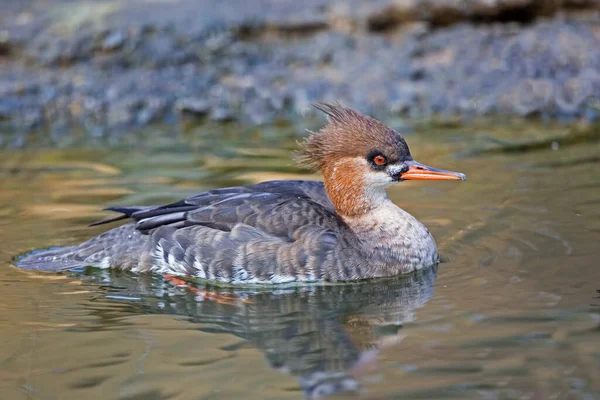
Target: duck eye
[(379, 160)]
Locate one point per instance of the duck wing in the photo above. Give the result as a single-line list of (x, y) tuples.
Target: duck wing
[(277, 207), (273, 232), (267, 233)]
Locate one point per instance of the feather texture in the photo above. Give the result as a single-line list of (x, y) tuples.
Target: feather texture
[(277, 231)]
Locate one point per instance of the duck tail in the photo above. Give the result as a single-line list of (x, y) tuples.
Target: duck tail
[(123, 244), (55, 259)]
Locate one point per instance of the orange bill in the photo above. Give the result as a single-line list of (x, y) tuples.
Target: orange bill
[(418, 171)]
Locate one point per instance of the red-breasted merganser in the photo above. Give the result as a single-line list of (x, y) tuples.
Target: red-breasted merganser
[(342, 229)]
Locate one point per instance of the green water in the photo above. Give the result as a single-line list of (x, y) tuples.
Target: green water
[(512, 313)]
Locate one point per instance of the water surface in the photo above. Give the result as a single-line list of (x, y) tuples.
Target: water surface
[(512, 313)]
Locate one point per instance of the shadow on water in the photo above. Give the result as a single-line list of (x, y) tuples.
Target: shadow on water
[(325, 336)]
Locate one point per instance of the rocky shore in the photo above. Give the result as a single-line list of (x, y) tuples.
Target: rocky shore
[(105, 66)]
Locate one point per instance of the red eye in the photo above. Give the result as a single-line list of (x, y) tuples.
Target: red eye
[(379, 160)]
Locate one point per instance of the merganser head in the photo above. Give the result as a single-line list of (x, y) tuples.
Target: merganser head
[(360, 157)]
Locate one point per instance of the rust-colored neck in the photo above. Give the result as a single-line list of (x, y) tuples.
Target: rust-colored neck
[(346, 187)]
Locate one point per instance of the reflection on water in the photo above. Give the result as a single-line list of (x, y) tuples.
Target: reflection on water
[(512, 313), (324, 336)]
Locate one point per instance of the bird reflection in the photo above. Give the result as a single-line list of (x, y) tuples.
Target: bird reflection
[(324, 336)]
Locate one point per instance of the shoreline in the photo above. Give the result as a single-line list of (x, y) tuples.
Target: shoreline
[(104, 67)]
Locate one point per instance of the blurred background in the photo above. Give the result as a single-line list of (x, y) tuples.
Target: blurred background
[(138, 102), (102, 66)]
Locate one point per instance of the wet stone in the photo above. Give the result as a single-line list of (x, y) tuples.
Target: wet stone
[(114, 40), (193, 105), (221, 114), (375, 57), (151, 111)]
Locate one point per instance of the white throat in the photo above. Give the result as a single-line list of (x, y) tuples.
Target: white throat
[(395, 233)]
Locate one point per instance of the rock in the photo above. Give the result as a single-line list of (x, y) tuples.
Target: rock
[(221, 114), (193, 105), (114, 41), (260, 60), (118, 116), (122, 113), (6, 111), (152, 111), (572, 94), (531, 96), (32, 118)]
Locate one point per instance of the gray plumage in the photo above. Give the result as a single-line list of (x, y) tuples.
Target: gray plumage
[(279, 231)]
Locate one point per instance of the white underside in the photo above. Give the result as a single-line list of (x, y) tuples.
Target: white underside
[(240, 275)]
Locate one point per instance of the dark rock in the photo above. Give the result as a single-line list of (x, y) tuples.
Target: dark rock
[(193, 105), (151, 111), (6, 111), (6, 47), (221, 114)]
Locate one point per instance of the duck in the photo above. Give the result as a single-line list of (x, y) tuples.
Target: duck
[(341, 229)]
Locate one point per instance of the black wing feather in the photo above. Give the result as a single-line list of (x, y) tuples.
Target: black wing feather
[(108, 220), (127, 212)]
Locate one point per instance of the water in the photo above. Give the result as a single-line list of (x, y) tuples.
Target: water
[(513, 312)]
